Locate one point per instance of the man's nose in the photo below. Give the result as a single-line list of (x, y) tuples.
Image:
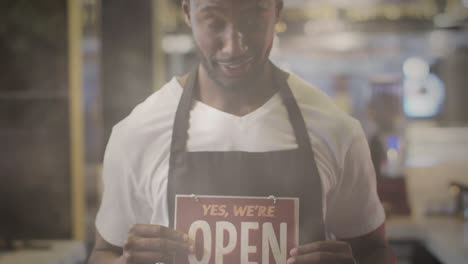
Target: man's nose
[(234, 42)]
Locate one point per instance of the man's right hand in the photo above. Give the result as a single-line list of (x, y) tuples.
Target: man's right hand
[(145, 244), (154, 243)]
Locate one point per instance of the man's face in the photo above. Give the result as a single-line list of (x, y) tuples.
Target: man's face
[(234, 37)]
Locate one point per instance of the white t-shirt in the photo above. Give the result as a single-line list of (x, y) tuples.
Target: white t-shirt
[(136, 161)]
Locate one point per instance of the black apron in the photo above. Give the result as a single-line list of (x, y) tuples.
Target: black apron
[(284, 173)]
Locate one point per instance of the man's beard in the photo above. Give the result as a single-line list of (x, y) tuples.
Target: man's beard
[(240, 84)]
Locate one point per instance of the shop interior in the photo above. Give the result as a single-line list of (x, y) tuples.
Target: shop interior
[(72, 69)]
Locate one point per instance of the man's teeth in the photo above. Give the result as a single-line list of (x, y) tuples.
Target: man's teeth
[(236, 65)]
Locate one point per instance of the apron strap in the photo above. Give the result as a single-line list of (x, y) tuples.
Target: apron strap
[(182, 116), (294, 112)]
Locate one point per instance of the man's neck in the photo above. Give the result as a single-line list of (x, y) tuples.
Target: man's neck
[(238, 102)]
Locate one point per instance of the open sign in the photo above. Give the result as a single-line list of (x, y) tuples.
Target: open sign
[(228, 229)]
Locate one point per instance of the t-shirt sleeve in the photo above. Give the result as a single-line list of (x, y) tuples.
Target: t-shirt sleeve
[(122, 204), (354, 208)]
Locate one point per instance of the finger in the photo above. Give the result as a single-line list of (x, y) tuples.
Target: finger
[(323, 246), (322, 258), (146, 257), (158, 231), (134, 243)]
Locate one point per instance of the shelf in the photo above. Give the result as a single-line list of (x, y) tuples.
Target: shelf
[(39, 132), (33, 95)]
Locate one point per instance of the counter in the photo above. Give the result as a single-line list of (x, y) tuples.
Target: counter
[(445, 237), (60, 252)]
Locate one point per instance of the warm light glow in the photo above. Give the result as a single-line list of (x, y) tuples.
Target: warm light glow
[(343, 41), (392, 155), (454, 190), (415, 68), (180, 44), (312, 27), (423, 98), (281, 27)]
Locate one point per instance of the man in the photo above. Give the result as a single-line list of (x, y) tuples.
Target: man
[(237, 125)]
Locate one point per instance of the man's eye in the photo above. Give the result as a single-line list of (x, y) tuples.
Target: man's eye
[(216, 24)]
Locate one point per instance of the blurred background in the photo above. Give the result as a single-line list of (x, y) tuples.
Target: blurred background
[(72, 69)]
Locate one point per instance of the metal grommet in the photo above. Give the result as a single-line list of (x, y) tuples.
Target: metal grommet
[(274, 198), (195, 198)]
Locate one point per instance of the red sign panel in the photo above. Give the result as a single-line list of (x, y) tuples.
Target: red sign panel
[(238, 229)]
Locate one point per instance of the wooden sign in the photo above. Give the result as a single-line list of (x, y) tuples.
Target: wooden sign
[(229, 229)]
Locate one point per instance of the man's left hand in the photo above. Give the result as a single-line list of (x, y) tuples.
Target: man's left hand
[(323, 252)]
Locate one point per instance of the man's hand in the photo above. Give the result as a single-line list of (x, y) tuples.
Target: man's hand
[(323, 252), (154, 243)]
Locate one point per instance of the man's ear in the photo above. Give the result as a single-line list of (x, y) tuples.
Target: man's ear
[(186, 9), (279, 9)]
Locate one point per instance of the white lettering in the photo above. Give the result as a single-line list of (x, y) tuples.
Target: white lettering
[(269, 239), (245, 248), (206, 232), (222, 250)]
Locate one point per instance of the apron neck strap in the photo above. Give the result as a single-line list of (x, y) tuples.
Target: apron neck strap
[(294, 113), (182, 116)]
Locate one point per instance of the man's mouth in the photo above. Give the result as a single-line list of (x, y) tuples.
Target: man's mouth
[(236, 68)]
